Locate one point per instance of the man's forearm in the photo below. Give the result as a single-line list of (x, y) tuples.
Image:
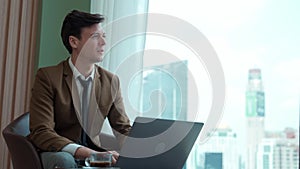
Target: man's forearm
[(83, 152)]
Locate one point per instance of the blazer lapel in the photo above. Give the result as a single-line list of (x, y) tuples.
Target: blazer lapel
[(97, 84), (68, 75), (96, 118)]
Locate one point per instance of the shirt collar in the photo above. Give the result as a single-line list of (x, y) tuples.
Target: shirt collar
[(77, 74)]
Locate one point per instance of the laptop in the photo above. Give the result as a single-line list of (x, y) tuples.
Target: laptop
[(158, 144)]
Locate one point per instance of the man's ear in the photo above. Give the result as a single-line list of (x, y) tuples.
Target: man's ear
[(73, 41)]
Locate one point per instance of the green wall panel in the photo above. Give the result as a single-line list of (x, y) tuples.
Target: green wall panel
[(53, 12)]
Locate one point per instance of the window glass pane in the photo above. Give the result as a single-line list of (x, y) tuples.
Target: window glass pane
[(257, 43)]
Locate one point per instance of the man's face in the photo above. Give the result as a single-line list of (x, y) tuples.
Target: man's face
[(91, 45)]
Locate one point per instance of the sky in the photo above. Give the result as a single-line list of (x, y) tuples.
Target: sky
[(245, 34)]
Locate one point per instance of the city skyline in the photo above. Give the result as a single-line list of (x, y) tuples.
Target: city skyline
[(252, 34), (246, 35)]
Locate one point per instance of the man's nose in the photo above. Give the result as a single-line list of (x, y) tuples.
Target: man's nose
[(102, 41)]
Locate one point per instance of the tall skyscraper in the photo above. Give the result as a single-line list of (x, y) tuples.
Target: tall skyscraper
[(164, 92), (255, 112)]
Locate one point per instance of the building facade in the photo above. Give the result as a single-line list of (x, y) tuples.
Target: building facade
[(279, 150), (219, 152)]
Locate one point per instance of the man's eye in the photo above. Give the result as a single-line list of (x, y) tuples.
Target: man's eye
[(95, 36)]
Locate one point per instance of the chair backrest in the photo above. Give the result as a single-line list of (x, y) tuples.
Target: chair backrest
[(23, 153)]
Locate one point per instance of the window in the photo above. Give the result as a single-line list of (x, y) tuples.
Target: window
[(248, 35)]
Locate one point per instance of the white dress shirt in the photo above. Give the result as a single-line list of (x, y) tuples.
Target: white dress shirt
[(72, 147)]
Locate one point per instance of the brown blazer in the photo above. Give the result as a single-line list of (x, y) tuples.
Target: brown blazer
[(55, 118)]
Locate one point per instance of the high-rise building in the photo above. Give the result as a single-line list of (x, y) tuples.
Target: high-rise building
[(213, 161), (219, 152), (164, 92), (279, 150), (255, 112)]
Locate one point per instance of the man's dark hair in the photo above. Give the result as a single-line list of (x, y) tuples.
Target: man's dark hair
[(74, 22)]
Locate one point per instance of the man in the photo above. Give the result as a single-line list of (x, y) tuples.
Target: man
[(66, 115)]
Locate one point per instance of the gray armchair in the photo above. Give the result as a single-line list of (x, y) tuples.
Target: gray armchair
[(24, 154)]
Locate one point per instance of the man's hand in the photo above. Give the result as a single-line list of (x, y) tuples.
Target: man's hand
[(115, 156)]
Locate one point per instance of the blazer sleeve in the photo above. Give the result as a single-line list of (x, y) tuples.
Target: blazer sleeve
[(42, 124), (117, 116)]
